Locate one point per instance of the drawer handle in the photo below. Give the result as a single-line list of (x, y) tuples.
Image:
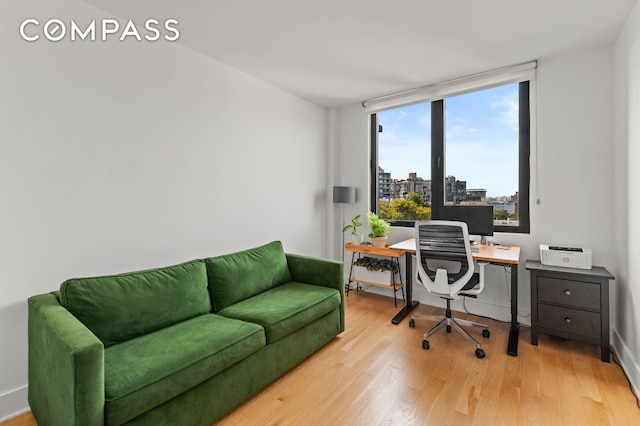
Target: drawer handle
[(567, 292), (567, 320)]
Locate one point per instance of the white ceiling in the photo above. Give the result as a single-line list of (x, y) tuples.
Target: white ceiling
[(340, 52)]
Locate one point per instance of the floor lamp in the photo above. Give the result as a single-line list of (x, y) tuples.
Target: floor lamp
[(343, 195)]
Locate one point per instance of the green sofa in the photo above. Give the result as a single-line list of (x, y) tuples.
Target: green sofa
[(180, 345)]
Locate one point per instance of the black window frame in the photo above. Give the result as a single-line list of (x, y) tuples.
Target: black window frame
[(438, 157)]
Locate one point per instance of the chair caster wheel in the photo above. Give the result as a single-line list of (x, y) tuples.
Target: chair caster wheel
[(425, 344), (486, 333), (480, 353), (412, 323)]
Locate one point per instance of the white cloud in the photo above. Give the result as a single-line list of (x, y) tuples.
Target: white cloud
[(456, 126), (507, 108), (425, 120)]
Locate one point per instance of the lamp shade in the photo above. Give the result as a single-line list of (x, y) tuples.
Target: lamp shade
[(344, 194)]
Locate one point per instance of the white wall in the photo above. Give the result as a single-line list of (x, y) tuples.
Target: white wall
[(117, 156), (575, 171), (626, 336)]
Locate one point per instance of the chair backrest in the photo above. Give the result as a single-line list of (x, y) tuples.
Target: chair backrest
[(444, 260)]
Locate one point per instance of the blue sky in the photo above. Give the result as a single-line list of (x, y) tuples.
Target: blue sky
[(481, 140)]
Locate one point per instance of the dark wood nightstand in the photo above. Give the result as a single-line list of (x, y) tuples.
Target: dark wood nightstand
[(570, 303)]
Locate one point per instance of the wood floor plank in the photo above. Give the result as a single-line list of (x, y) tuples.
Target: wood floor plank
[(377, 373)]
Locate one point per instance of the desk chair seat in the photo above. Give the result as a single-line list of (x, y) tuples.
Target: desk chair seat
[(446, 268)]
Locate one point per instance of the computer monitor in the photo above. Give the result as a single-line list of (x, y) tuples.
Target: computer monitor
[(479, 219)]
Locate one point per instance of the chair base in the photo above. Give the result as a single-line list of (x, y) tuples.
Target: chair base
[(449, 321)]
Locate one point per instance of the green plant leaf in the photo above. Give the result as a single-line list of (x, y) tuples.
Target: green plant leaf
[(379, 227), (355, 222), (376, 264)]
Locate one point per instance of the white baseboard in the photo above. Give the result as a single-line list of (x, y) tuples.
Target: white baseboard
[(475, 307), (13, 403), (629, 364)]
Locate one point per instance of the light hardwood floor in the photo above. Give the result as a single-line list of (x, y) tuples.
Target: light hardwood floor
[(377, 373)]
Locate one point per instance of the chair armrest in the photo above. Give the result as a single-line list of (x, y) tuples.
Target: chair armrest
[(320, 272), (66, 366), (481, 265), (480, 286)]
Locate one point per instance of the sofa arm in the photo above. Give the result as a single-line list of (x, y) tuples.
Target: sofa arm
[(321, 272), (66, 366)]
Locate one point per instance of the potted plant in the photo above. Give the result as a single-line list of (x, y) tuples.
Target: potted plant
[(356, 238), (374, 270), (380, 228)]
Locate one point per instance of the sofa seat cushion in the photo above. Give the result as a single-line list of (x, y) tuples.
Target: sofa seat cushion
[(285, 309), (145, 372)]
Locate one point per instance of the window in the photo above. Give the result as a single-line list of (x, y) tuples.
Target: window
[(403, 170), (466, 149)]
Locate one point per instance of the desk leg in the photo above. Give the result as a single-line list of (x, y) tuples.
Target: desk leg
[(410, 302), (512, 347)]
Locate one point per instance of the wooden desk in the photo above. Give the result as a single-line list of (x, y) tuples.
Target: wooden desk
[(492, 254), (388, 251)]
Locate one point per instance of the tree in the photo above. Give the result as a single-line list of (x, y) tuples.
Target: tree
[(500, 214), (384, 210), (401, 209), (417, 199)]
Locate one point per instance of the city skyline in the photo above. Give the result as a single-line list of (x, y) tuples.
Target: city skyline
[(481, 133)]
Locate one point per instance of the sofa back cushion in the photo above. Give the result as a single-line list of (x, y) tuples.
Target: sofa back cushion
[(117, 308), (238, 276)]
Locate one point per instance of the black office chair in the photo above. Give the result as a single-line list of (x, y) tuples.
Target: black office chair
[(446, 268)]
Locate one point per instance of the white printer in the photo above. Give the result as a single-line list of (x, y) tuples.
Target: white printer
[(570, 257)]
